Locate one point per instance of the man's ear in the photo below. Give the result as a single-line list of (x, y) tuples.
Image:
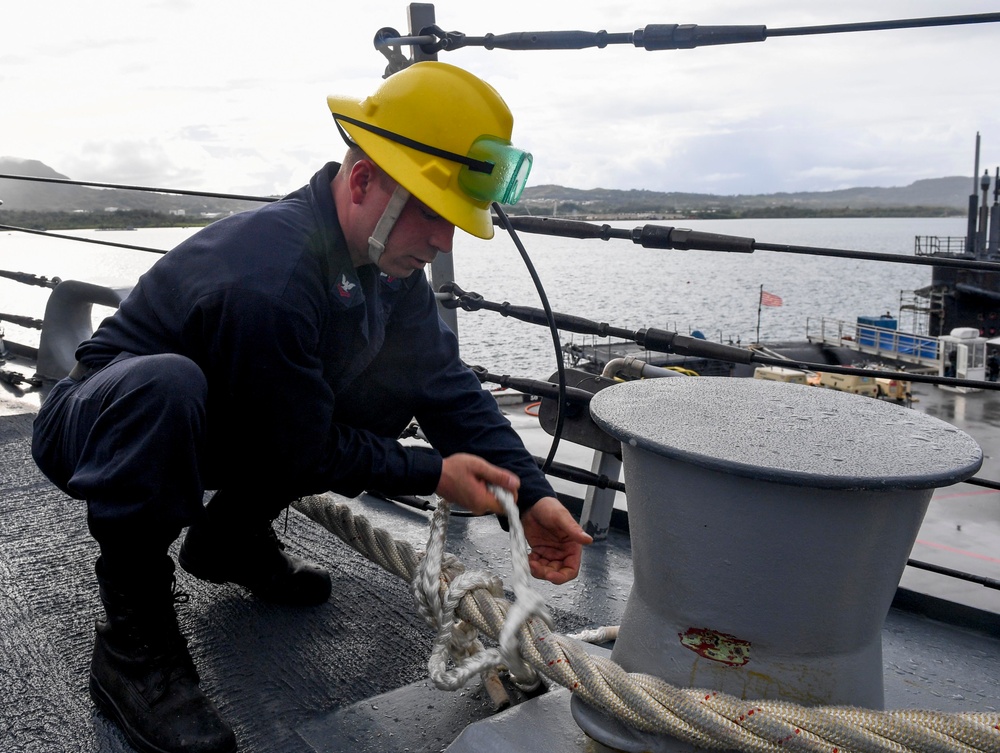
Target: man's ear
[(361, 180)]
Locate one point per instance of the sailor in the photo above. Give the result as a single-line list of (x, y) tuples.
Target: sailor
[(277, 353)]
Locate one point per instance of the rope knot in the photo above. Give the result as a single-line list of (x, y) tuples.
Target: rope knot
[(438, 591)]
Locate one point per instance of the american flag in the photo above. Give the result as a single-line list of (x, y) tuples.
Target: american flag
[(769, 299)]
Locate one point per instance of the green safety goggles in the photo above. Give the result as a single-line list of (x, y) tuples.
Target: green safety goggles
[(493, 170)]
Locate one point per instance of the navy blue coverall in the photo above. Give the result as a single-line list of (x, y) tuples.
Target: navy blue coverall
[(255, 357)]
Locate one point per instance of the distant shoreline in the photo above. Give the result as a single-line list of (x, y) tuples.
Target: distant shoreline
[(767, 214), (122, 220)]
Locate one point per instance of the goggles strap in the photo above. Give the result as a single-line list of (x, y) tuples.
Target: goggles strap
[(376, 242), (479, 166)]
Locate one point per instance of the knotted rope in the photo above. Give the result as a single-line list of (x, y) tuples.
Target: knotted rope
[(438, 597), (704, 718)]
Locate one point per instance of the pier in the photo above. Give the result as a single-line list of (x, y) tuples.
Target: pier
[(868, 338)]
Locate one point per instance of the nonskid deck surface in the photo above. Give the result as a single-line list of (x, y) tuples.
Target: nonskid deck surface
[(271, 669), (313, 679)]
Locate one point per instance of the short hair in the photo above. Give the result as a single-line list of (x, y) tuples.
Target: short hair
[(354, 155)]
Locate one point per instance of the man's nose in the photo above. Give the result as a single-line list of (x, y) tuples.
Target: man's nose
[(443, 237)]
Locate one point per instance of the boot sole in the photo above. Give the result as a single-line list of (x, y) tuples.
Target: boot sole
[(110, 710)]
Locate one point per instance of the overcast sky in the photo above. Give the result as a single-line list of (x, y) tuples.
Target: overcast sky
[(230, 95)]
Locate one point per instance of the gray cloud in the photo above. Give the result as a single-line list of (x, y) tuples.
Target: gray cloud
[(217, 98)]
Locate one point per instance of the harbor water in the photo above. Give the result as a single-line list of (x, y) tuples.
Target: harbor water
[(628, 286), (615, 281)]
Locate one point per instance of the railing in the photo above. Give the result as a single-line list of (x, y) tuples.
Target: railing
[(933, 245), (867, 338)]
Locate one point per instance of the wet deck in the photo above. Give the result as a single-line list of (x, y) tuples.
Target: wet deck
[(350, 674)]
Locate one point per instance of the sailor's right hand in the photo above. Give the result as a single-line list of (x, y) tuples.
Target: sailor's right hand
[(465, 480)]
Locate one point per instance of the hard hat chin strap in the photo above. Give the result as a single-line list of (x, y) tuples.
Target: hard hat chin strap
[(376, 242)]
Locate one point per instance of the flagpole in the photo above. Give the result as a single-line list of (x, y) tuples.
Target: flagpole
[(760, 298)]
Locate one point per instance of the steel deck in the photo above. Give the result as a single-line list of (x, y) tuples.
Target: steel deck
[(351, 674)]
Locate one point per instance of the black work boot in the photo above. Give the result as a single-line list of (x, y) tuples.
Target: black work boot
[(142, 675), (227, 547)]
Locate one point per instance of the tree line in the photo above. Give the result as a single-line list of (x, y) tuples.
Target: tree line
[(120, 220), (598, 210)]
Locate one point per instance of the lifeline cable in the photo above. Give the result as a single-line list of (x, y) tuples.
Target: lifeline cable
[(666, 341), (648, 236), (149, 189), (95, 241), (665, 237), (653, 37)]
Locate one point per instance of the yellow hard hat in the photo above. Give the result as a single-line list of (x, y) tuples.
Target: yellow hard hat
[(444, 135)]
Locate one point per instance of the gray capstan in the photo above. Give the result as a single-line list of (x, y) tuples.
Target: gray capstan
[(788, 433), (741, 494)]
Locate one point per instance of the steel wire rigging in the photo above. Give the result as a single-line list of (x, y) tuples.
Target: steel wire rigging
[(433, 39)]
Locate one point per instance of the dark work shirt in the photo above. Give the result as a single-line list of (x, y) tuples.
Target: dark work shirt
[(314, 367)]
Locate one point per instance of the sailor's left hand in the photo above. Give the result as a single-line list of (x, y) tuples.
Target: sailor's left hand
[(465, 480), (556, 541)]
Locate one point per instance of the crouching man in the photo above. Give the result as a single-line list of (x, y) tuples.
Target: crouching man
[(278, 353)]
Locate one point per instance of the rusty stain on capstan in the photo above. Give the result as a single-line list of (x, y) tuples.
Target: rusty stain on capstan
[(721, 647)]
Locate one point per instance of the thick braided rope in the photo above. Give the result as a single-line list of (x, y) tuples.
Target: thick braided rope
[(705, 718)]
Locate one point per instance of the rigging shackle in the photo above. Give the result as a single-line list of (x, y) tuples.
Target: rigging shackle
[(388, 41), (460, 298)]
